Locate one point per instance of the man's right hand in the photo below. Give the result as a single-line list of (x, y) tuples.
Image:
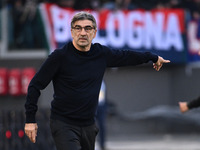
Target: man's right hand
[(31, 131)]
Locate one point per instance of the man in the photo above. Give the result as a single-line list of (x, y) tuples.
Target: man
[(185, 106), (76, 71), (101, 116)]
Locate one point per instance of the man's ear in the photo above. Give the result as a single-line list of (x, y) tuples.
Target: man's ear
[(95, 33), (72, 33)]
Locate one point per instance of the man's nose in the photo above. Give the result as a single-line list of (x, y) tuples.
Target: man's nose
[(83, 32)]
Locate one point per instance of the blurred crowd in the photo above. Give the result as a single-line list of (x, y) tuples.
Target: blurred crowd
[(24, 21), (111, 4)]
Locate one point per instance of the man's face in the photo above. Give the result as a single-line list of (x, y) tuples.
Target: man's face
[(83, 33)]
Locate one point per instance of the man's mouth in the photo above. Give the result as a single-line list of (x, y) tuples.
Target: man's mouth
[(83, 39)]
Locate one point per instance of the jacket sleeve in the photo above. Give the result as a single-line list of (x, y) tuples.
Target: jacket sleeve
[(40, 81), (194, 103), (117, 58)]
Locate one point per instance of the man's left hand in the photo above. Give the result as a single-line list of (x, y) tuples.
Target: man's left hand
[(159, 63)]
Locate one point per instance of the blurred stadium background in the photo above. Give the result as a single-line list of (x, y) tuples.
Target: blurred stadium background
[(140, 100)]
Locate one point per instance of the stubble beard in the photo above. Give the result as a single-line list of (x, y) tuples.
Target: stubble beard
[(83, 44)]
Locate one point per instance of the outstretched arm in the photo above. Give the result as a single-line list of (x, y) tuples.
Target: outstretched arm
[(159, 63), (31, 131)]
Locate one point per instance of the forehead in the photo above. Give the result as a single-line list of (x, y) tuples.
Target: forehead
[(83, 23)]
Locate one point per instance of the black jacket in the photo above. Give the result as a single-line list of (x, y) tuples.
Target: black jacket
[(77, 78)]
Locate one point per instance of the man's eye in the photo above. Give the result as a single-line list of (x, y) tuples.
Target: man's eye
[(78, 28), (88, 28)]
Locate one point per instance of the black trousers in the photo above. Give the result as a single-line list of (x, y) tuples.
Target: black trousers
[(70, 137)]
